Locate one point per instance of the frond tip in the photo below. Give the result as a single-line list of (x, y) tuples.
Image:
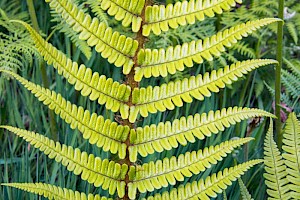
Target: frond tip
[(107, 174), (54, 192), (210, 187)]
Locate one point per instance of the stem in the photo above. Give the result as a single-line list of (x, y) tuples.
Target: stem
[(278, 73), (133, 84), (42, 64)]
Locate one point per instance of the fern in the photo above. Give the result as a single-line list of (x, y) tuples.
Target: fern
[(283, 172), (245, 194), (124, 177)]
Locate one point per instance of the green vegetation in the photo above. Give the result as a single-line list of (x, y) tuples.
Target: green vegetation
[(147, 100)]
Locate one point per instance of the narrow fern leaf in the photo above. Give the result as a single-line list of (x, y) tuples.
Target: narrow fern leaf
[(171, 95), (103, 133), (293, 31), (127, 11), (161, 62), (291, 146), (113, 94), (54, 192), (293, 65), (162, 173), (160, 18), (166, 136), (275, 168), (118, 49), (244, 191), (291, 82), (210, 187), (107, 174)]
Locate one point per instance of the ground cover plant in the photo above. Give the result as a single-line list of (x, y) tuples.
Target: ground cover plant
[(130, 169)]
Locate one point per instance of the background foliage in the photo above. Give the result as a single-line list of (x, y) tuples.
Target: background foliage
[(20, 162)]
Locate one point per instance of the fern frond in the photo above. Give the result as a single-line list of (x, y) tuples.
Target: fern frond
[(54, 192), (80, 44), (291, 146), (294, 66), (96, 129), (291, 83), (160, 18), (127, 11), (96, 9), (166, 136), (210, 187), (118, 49), (106, 91), (244, 191), (275, 168), (107, 174), (167, 96), (160, 62), (293, 31), (244, 49), (162, 173)]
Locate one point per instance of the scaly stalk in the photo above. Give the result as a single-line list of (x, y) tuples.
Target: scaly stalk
[(133, 84), (42, 65), (278, 73)]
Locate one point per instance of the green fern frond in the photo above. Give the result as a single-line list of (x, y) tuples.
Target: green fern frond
[(169, 171), (61, 27), (160, 62), (107, 174), (244, 49), (127, 11), (291, 146), (171, 95), (118, 49), (275, 168), (244, 191), (166, 136), (210, 187), (291, 83), (96, 129), (160, 18), (96, 9), (106, 91), (293, 31), (54, 192), (294, 66)]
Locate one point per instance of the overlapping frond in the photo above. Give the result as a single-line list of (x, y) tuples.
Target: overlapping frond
[(244, 191), (160, 62), (104, 133), (160, 18), (54, 192), (127, 11), (111, 93), (291, 146), (171, 95), (210, 187), (168, 135), (107, 174), (275, 168), (162, 173), (117, 48)]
